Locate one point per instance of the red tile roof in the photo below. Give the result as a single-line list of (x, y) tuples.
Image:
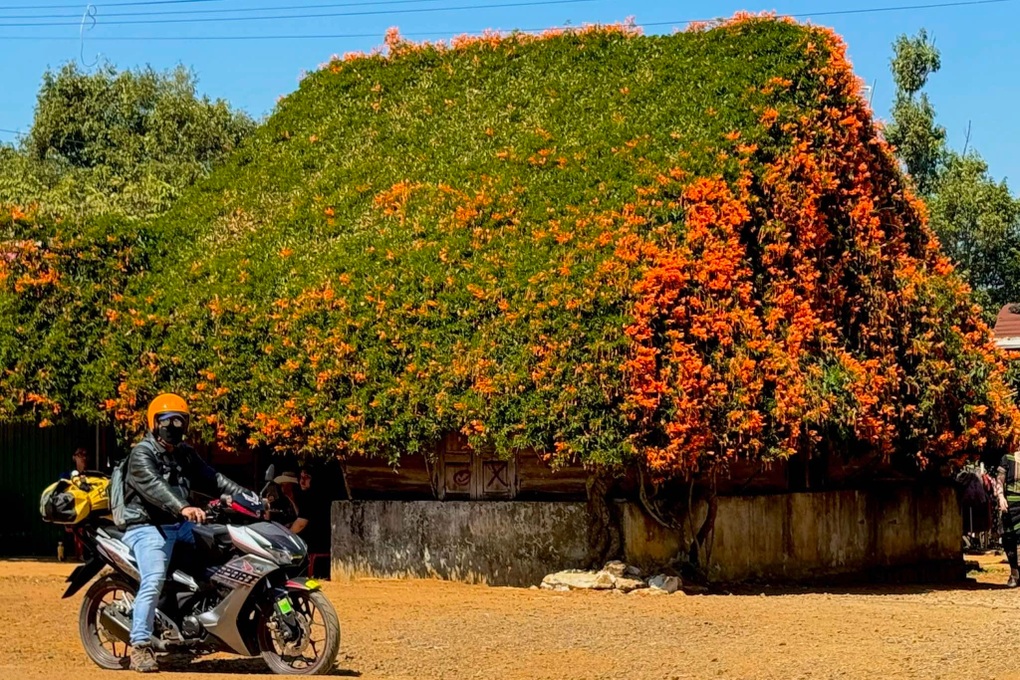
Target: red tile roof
[(1007, 323)]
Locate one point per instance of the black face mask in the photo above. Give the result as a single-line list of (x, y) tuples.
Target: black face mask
[(172, 429)]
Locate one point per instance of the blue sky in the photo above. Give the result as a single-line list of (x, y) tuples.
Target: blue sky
[(977, 83)]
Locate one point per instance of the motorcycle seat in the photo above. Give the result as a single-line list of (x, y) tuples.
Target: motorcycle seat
[(114, 533)]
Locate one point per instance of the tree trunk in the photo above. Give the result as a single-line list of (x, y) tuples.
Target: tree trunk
[(604, 534)]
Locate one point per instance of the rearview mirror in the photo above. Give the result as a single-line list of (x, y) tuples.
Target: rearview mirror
[(271, 473)]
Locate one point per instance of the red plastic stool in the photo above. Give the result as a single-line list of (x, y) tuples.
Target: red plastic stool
[(311, 562)]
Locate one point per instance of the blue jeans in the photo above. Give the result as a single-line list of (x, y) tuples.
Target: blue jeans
[(152, 552)]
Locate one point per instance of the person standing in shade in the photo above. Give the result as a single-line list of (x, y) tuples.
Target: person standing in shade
[(313, 513), (81, 461), (1008, 493)]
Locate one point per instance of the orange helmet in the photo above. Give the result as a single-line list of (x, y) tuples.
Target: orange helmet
[(167, 403)]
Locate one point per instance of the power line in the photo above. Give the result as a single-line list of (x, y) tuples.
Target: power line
[(335, 36), (419, 10), (839, 12), (78, 6), (900, 8), (959, 3), (172, 38), (239, 10)]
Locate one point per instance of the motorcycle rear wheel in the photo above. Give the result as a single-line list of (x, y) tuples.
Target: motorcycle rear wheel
[(323, 622), (94, 637)]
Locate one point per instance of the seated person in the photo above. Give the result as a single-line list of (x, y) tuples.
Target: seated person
[(282, 505), (80, 458)]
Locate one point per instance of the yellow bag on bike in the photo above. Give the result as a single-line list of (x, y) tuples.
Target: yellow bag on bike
[(70, 501)]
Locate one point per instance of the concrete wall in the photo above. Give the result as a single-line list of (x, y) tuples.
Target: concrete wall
[(805, 536), (495, 542), (788, 537)]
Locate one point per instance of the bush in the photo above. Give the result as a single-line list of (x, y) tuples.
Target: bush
[(676, 250)]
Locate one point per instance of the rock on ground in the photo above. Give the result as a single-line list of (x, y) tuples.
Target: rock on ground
[(668, 584), (615, 568), (614, 576), (573, 579), (629, 584)]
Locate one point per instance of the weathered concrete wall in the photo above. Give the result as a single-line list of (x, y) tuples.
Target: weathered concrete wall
[(803, 536), (500, 543), (788, 537)]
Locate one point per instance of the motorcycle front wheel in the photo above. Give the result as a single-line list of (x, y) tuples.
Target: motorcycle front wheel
[(315, 652), (102, 646)]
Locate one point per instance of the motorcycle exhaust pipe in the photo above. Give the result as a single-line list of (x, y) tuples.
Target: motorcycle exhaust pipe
[(121, 630), (115, 626)]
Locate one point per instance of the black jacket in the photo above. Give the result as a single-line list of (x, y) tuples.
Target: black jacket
[(158, 482)]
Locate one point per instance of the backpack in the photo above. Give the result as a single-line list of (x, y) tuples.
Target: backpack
[(119, 490)]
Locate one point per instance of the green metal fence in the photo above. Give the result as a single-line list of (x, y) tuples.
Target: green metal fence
[(31, 458)]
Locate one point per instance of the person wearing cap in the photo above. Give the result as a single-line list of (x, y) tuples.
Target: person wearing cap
[(307, 510), (288, 477), (286, 509)]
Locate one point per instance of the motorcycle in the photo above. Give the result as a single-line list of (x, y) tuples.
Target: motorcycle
[(237, 590)]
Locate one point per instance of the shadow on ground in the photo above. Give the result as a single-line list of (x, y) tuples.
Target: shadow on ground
[(232, 667), (982, 574), (857, 589)]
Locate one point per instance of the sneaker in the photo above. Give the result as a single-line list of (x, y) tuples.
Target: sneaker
[(143, 660), (1014, 578)]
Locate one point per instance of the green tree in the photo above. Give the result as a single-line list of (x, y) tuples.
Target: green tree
[(978, 223), (976, 218), (122, 142), (919, 141)]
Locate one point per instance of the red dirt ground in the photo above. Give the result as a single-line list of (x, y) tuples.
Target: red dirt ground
[(434, 629)]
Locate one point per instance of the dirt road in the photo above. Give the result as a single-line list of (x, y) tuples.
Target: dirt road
[(434, 629)]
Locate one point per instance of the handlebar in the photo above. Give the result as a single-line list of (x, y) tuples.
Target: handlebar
[(226, 506)]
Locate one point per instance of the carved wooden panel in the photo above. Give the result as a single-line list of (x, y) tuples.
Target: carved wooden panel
[(464, 473), (457, 480)]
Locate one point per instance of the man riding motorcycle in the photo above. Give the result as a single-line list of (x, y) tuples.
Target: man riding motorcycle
[(158, 480)]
